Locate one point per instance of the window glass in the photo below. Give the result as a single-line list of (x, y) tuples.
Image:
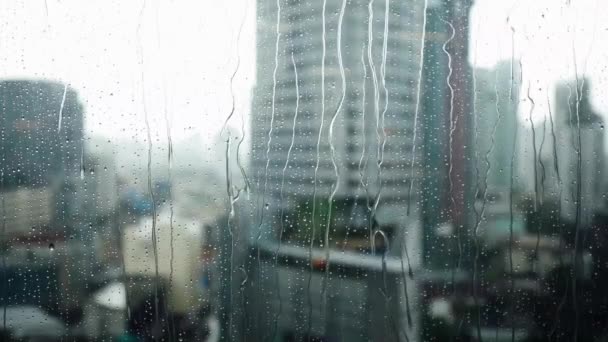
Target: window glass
[(284, 170)]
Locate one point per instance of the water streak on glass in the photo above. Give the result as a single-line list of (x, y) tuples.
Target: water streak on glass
[(579, 152), (511, 198), (168, 126), (282, 215), (380, 129), (65, 91), (332, 147), (82, 165), (239, 163), (382, 145), (362, 166), (272, 114), (541, 163), (418, 100), (372, 67), (154, 238), (534, 151), (265, 206), (451, 110), (232, 198), (316, 171)]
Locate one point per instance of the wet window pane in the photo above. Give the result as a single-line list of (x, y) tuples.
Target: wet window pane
[(284, 170)]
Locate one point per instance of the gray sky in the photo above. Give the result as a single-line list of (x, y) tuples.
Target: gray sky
[(548, 36), (189, 52)]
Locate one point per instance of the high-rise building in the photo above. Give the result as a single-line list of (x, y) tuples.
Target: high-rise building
[(497, 99), (372, 138), (41, 146), (304, 119), (446, 124), (551, 169), (386, 130), (42, 130), (581, 135)]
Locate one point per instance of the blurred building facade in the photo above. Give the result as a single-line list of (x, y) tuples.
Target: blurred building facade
[(41, 146), (496, 103), (302, 111), (563, 160), (373, 131), (42, 131), (497, 99), (56, 199), (447, 123), (580, 153)]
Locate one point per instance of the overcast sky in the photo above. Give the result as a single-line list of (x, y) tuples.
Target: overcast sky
[(188, 50)]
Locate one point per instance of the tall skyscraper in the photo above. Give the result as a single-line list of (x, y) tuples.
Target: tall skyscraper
[(41, 145), (573, 131), (42, 130), (581, 135), (365, 126), (374, 127), (495, 119), (447, 191), (495, 115), (41, 149)]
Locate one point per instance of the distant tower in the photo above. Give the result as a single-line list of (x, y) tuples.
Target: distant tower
[(495, 119), (446, 196), (562, 184), (41, 140), (41, 149), (581, 180), (41, 125)]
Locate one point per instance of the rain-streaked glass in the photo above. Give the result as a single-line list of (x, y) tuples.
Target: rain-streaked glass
[(286, 170)]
